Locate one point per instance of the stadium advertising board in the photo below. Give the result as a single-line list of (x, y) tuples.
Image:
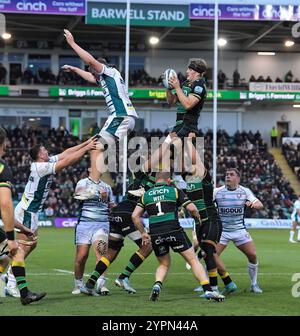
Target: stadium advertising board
[(245, 12), (293, 140), (41, 223), (107, 13), (88, 92), (187, 223), (63, 7), (65, 222), (279, 87), (4, 90)]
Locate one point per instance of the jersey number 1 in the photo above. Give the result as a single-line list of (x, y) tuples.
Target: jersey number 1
[(159, 209)]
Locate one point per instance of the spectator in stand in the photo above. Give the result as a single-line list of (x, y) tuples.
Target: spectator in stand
[(27, 77), (296, 135), (260, 79), (236, 78), (269, 79), (274, 135), (288, 77), (252, 79), (278, 80), (221, 80), (3, 73)]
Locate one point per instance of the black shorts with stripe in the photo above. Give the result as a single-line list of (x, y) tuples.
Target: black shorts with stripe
[(209, 230), (121, 223), (183, 130), (177, 240)]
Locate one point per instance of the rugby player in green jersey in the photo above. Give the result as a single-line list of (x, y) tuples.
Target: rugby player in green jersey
[(161, 202), (189, 98)]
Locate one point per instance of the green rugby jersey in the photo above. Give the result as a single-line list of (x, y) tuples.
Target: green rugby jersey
[(198, 89), (161, 203), (200, 192)]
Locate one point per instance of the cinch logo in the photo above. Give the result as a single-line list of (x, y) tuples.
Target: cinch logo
[(33, 7), (205, 12), (69, 223), (161, 240), (231, 210)]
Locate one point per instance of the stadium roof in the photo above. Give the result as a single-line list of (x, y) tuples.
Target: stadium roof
[(241, 35)]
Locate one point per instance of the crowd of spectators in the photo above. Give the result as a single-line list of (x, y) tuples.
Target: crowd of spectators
[(137, 78), (246, 151), (291, 151)]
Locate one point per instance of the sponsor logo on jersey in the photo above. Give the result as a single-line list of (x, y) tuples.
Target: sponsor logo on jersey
[(198, 89), (231, 210), (155, 192)]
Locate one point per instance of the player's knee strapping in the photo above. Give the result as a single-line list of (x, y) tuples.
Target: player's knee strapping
[(102, 238)]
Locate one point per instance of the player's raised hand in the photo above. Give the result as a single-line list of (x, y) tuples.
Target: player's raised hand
[(67, 68), (69, 37), (174, 82)]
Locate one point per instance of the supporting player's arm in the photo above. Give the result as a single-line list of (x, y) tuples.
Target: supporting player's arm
[(74, 157), (137, 220), (86, 75), (196, 159), (84, 55), (188, 102), (74, 149)]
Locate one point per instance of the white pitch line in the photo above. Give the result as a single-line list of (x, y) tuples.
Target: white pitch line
[(61, 272)]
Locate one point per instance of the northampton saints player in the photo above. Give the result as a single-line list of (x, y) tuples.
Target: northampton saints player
[(161, 203), (200, 191), (189, 98)]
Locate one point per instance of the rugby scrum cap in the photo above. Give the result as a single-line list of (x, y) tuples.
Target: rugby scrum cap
[(198, 64)]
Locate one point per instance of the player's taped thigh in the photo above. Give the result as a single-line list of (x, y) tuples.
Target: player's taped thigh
[(28, 241), (116, 245), (209, 258), (102, 241)]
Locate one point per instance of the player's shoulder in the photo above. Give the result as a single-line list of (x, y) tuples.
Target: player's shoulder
[(219, 189), (244, 189), (4, 167)]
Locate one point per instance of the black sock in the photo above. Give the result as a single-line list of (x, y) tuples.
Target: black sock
[(226, 278), (18, 270), (135, 261), (100, 268)]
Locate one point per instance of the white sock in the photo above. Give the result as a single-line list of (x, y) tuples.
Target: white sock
[(78, 282), (215, 288), (101, 281), (12, 283), (292, 234), (298, 238), (253, 271)]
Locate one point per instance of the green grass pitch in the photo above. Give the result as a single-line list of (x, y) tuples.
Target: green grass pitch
[(49, 264)]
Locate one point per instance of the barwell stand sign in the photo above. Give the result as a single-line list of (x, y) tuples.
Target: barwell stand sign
[(105, 13)]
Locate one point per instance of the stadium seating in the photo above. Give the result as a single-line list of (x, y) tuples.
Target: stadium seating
[(246, 151)]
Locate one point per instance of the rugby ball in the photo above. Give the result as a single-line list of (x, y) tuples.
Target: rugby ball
[(166, 76)]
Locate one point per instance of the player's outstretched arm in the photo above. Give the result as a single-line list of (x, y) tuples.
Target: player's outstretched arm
[(195, 158), (74, 149), (76, 156), (84, 55), (82, 73)]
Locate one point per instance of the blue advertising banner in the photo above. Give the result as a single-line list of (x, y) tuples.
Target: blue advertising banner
[(245, 12), (63, 7)]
